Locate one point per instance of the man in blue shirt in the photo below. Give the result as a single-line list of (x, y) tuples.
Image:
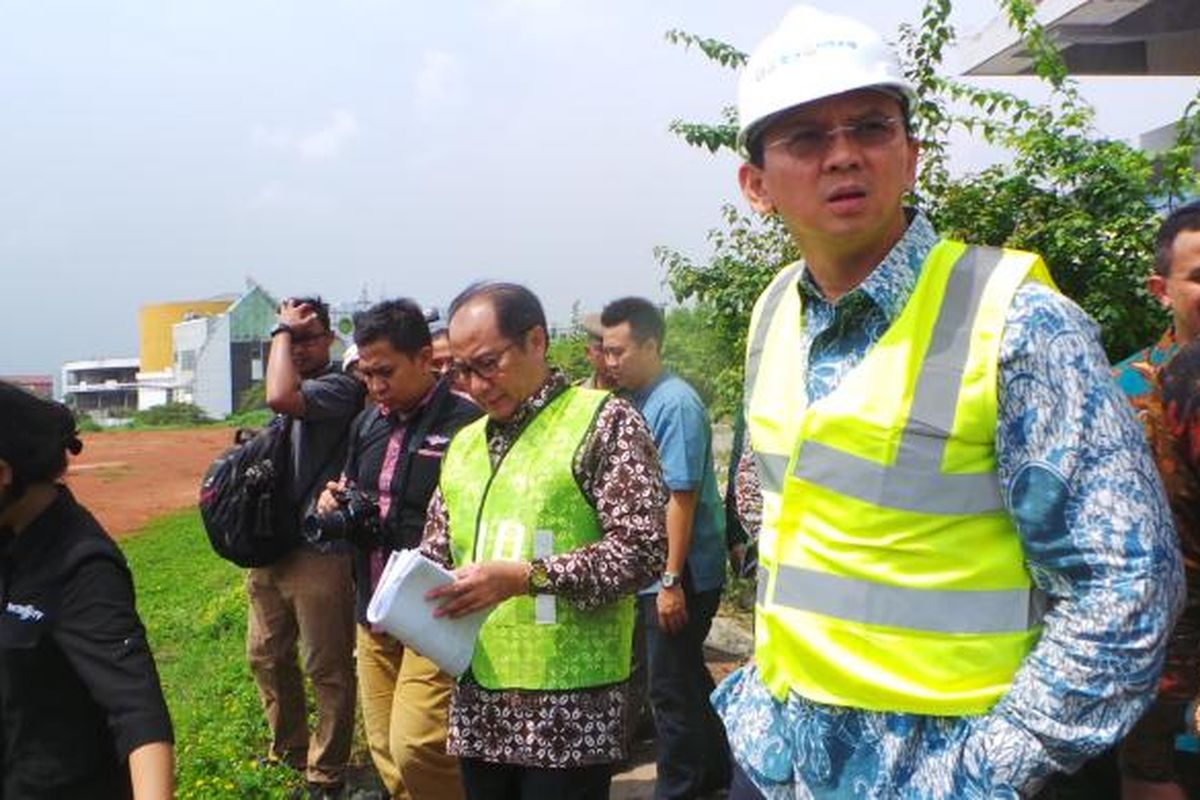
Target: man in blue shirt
[(676, 612), (1061, 477)]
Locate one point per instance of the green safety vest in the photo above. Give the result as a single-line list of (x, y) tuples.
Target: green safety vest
[(892, 577), (532, 507)]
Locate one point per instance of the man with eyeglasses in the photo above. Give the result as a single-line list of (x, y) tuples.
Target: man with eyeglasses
[(394, 459), (551, 510), (968, 570), (307, 597)]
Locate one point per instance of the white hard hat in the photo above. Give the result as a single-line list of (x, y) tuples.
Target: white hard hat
[(812, 55), (349, 357)]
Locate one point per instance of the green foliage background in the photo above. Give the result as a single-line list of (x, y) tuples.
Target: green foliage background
[(569, 353), (692, 349)]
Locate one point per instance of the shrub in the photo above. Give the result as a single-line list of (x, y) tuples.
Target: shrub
[(254, 398), (171, 414), (569, 353)]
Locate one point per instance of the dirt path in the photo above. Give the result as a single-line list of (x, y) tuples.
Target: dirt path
[(127, 478)]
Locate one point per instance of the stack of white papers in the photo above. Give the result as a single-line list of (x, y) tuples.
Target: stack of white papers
[(400, 608)]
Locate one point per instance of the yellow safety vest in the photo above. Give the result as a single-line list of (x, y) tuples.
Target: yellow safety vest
[(892, 577), (531, 506)]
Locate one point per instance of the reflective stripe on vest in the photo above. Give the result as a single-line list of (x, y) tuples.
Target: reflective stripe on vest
[(938, 622), (916, 481), (772, 467), (949, 611)]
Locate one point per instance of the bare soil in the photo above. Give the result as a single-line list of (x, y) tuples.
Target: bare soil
[(127, 478)]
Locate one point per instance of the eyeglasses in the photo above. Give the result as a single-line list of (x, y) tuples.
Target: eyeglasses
[(485, 366), (811, 141)]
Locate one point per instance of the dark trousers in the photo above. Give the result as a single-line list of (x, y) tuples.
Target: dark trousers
[(639, 719), (487, 780), (693, 754)]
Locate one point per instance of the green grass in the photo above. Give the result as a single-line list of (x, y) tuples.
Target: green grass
[(194, 607)]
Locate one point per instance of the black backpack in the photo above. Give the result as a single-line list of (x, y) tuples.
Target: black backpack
[(246, 499)]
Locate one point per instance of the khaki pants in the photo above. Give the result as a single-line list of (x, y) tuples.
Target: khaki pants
[(310, 597), (406, 702)]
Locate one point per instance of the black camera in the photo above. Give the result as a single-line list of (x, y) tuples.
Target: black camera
[(356, 519), (259, 477)]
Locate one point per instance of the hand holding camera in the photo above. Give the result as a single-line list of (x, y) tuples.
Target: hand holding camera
[(344, 512)]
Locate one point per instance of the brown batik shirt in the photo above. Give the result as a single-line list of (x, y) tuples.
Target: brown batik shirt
[(619, 472)]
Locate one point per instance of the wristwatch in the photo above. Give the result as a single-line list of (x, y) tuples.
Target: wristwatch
[(280, 328), (539, 577), (670, 580)]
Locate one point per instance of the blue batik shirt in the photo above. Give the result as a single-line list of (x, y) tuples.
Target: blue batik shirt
[(1083, 491), (679, 423)]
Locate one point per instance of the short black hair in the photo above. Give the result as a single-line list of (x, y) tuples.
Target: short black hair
[(517, 309), (1184, 218), (644, 318), (35, 435), (319, 307), (400, 321)]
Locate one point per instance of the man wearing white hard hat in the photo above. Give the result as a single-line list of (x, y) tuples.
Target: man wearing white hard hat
[(968, 570)]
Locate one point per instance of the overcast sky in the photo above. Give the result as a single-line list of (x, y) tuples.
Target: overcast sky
[(156, 150)]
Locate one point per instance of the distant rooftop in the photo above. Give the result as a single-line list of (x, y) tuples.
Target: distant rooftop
[(103, 363), (21, 379), (1096, 37)]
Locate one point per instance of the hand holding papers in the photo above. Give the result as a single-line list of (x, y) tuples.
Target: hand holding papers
[(400, 608)]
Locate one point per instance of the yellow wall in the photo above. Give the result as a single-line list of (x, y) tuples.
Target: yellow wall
[(154, 327)]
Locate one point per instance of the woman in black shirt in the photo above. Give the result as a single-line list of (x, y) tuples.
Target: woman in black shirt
[(81, 711)]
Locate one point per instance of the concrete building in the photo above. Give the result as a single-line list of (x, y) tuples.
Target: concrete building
[(1096, 37), (1118, 38), (1162, 139), (101, 386), (203, 352), (156, 321), (216, 358)]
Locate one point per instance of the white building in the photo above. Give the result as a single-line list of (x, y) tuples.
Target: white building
[(101, 386), (218, 357)]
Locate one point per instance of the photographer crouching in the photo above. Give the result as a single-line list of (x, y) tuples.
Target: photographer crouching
[(392, 467)]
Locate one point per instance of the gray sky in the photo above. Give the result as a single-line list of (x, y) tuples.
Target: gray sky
[(156, 150)]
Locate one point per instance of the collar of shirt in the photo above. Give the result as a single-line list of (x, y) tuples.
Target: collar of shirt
[(640, 397), (322, 372), (1166, 347), (1138, 374), (501, 435), (403, 417), (889, 285), (39, 535)]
